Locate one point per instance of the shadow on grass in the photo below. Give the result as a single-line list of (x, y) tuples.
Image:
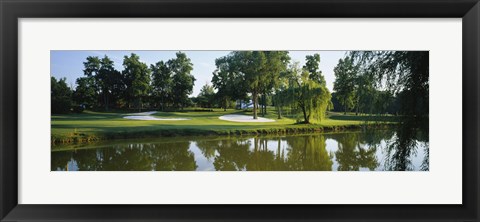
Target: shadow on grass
[(87, 117)]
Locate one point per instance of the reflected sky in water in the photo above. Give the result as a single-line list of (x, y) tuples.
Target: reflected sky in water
[(352, 151)]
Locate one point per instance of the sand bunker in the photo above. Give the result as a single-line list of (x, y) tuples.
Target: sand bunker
[(152, 118), (142, 114), (146, 116), (245, 118)]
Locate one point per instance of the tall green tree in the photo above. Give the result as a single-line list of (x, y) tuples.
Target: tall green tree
[(228, 81), (280, 96), (259, 71), (107, 79), (251, 64), (206, 96), (364, 92), (85, 93), (61, 96), (91, 70), (277, 62), (91, 66), (162, 83), (182, 79), (344, 85), (137, 79), (103, 77), (312, 66)]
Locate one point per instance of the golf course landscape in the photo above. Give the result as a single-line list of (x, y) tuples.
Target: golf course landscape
[(239, 110)]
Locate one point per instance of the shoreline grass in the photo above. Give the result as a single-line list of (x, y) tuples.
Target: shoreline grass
[(98, 126)]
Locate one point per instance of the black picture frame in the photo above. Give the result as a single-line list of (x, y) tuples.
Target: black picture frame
[(11, 11)]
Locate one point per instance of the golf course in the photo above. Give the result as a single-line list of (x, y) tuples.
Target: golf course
[(95, 126)]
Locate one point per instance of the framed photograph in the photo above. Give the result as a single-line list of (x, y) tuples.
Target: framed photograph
[(227, 110)]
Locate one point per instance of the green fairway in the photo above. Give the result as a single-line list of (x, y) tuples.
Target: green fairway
[(93, 126)]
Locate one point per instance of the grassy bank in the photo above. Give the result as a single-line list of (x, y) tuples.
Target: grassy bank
[(96, 126)]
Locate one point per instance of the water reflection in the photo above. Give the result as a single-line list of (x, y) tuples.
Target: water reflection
[(353, 151)]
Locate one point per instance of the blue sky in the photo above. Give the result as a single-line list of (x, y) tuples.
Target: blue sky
[(69, 64)]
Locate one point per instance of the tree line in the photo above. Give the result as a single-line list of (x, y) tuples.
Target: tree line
[(270, 78), (163, 85), (366, 82)]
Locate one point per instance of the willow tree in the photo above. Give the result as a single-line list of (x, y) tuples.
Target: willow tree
[(311, 97), (400, 71), (405, 73)]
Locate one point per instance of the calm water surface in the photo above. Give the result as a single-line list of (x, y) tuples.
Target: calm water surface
[(352, 151)]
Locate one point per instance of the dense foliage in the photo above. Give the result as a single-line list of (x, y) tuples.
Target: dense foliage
[(366, 82), (162, 85), (61, 96)]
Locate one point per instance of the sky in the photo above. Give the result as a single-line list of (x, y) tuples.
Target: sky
[(69, 63)]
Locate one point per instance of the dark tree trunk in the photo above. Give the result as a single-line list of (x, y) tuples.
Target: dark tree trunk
[(305, 116), (255, 104), (105, 100), (225, 102), (279, 147), (263, 105), (279, 109), (358, 104)]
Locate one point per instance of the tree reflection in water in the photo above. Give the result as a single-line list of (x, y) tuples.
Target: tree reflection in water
[(353, 151), (404, 146), (126, 157)]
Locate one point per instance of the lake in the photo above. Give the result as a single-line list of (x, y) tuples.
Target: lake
[(379, 150)]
